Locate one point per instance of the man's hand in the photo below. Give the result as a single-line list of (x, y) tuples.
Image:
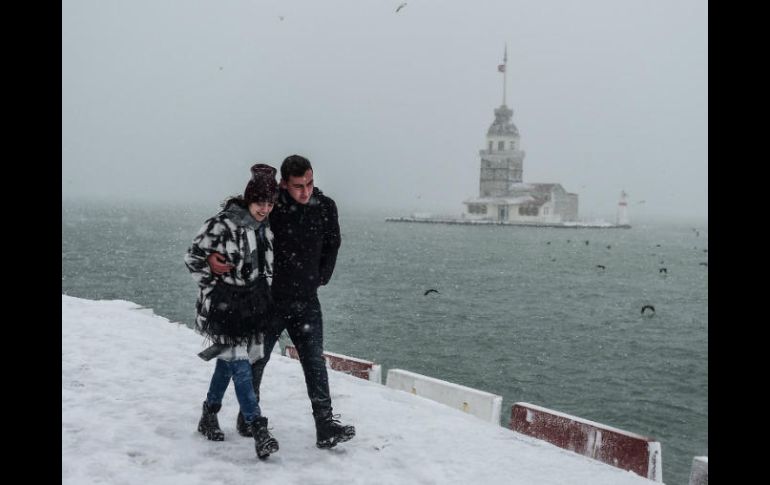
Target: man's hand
[(218, 264)]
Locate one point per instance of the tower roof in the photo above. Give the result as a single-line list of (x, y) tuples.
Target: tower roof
[(503, 126)]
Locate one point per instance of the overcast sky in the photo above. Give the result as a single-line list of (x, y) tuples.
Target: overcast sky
[(175, 99)]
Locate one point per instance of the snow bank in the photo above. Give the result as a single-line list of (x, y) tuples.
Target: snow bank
[(132, 388)]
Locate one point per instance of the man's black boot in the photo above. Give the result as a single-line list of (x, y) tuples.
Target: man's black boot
[(264, 443), (329, 431), (209, 424)]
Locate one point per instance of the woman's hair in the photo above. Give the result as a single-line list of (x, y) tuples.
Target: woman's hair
[(234, 199)]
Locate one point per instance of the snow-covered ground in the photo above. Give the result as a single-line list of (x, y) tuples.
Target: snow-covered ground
[(132, 387)]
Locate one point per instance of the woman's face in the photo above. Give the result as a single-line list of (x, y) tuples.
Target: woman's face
[(260, 210)]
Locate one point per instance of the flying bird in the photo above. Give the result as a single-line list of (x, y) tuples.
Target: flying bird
[(430, 291), (601, 266), (704, 264), (400, 7), (645, 307), (663, 270)]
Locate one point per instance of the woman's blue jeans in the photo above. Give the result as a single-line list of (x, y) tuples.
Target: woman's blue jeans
[(240, 372)]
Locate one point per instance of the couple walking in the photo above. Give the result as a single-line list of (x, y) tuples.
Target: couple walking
[(258, 264)]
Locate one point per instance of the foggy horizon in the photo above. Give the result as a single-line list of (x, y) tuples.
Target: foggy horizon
[(175, 101)]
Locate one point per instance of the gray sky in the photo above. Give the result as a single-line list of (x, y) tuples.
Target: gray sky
[(174, 100)]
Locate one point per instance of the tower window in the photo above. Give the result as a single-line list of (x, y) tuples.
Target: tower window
[(477, 208), (490, 145), (501, 145), (527, 210)]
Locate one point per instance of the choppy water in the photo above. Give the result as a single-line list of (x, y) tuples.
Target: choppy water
[(521, 312)]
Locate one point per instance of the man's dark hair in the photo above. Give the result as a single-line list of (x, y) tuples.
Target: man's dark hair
[(294, 166)]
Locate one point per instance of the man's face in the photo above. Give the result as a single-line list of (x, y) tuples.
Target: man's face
[(300, 188)]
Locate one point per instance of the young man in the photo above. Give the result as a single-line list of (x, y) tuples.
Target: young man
[(307, 238)]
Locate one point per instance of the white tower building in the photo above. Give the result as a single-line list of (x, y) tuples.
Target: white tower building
[(502, 162), (503, 195)]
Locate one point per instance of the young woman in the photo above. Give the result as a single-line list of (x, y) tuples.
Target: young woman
[(234, 305)]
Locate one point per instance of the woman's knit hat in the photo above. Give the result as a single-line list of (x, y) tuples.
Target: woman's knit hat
[(262, 187)]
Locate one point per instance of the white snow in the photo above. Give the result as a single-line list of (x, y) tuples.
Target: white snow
[(522, 186), (132, 388)]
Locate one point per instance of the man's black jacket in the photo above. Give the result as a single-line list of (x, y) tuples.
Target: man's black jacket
[(307, 238)]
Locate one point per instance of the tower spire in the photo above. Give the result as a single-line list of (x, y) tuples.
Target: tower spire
[(503, 68)]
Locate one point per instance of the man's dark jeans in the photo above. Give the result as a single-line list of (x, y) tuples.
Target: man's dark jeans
[(304, 323)]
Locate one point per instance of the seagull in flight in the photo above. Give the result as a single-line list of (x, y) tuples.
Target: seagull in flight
[(430, 291), (400, 6)]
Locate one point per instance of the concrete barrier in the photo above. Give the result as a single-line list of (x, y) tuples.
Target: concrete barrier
[(481, 404), (616, 447), (363, 369), (699, 474)]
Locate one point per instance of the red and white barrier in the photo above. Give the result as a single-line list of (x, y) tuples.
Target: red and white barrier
[(363, 369), (699, 474), (616, 447), (481, 404)]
